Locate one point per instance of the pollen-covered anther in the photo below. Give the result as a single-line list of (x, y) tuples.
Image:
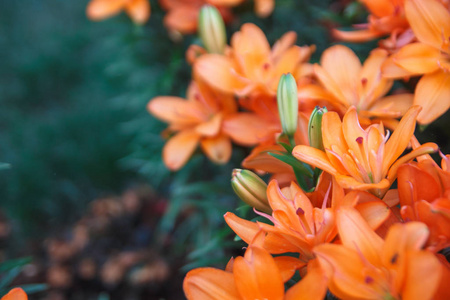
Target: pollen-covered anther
[(359, 140)]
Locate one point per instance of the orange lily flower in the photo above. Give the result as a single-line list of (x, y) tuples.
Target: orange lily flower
[(386, 17), (197, 120), (182, 15), (298, 226), (367, 267), (138, 10), (247, 278), (250, 66), (15, 294), (363, 159), (430, 56), (424, 191), (345, 82)]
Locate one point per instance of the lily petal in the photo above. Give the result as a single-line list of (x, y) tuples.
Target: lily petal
[(218, 149), (312, 287), (250, 274), (418, 58), (400, 138), (210, 284), (429, 20), (178, 149), (433, 94), (138, 10), (314, 157), (356, 234)]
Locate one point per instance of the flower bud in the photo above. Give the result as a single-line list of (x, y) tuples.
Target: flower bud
[(251, 189), (212, 29), (288, 103), (315, 127)]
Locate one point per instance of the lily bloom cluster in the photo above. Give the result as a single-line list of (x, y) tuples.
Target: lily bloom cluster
[(419, 45), (333, 221), (181, 17)]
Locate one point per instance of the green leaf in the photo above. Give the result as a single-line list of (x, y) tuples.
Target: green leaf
[(13, 263), (9, 277), (288, 147), (294, 163), (34, 288)]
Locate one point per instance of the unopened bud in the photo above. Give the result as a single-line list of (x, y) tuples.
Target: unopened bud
[(212, 29), (288, 103), (315, 127), (251, 189)]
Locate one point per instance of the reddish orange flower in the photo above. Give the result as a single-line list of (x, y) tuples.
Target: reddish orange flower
[(250, 66), (247, 278), (367, 267), (424, 191), (430, 22), (138, 10), (363, 159), (386, 17), (15, 294), (182, 15), (197, 120), (298, 226), (345, 82)]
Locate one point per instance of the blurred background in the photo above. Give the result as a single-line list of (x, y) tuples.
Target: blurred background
[(88, 210)]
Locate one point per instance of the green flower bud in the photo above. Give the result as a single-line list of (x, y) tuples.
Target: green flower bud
[(251, 189), (212, 29), (315, 127), (288, 103)]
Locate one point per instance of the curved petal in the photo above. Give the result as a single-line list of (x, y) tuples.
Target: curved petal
[(218, 149), (101, 9), (425, 268), (178, 149), (211, 127), (211, 284), (246, 230), (172, 110), (393, 106), (248, 129), (418, 58), (15, 294), (182, 18), (218, 72), (138, 10), (433, 94), (285, 42), (250, 39), (348, 182), (356, 234), (375, 213), (390, 69), (311, 287), (250, 274), (347, 281), (264, 8), (357, 35), (400, 138), (344, 67), (429, 20), (314, 157), (288, 265)]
